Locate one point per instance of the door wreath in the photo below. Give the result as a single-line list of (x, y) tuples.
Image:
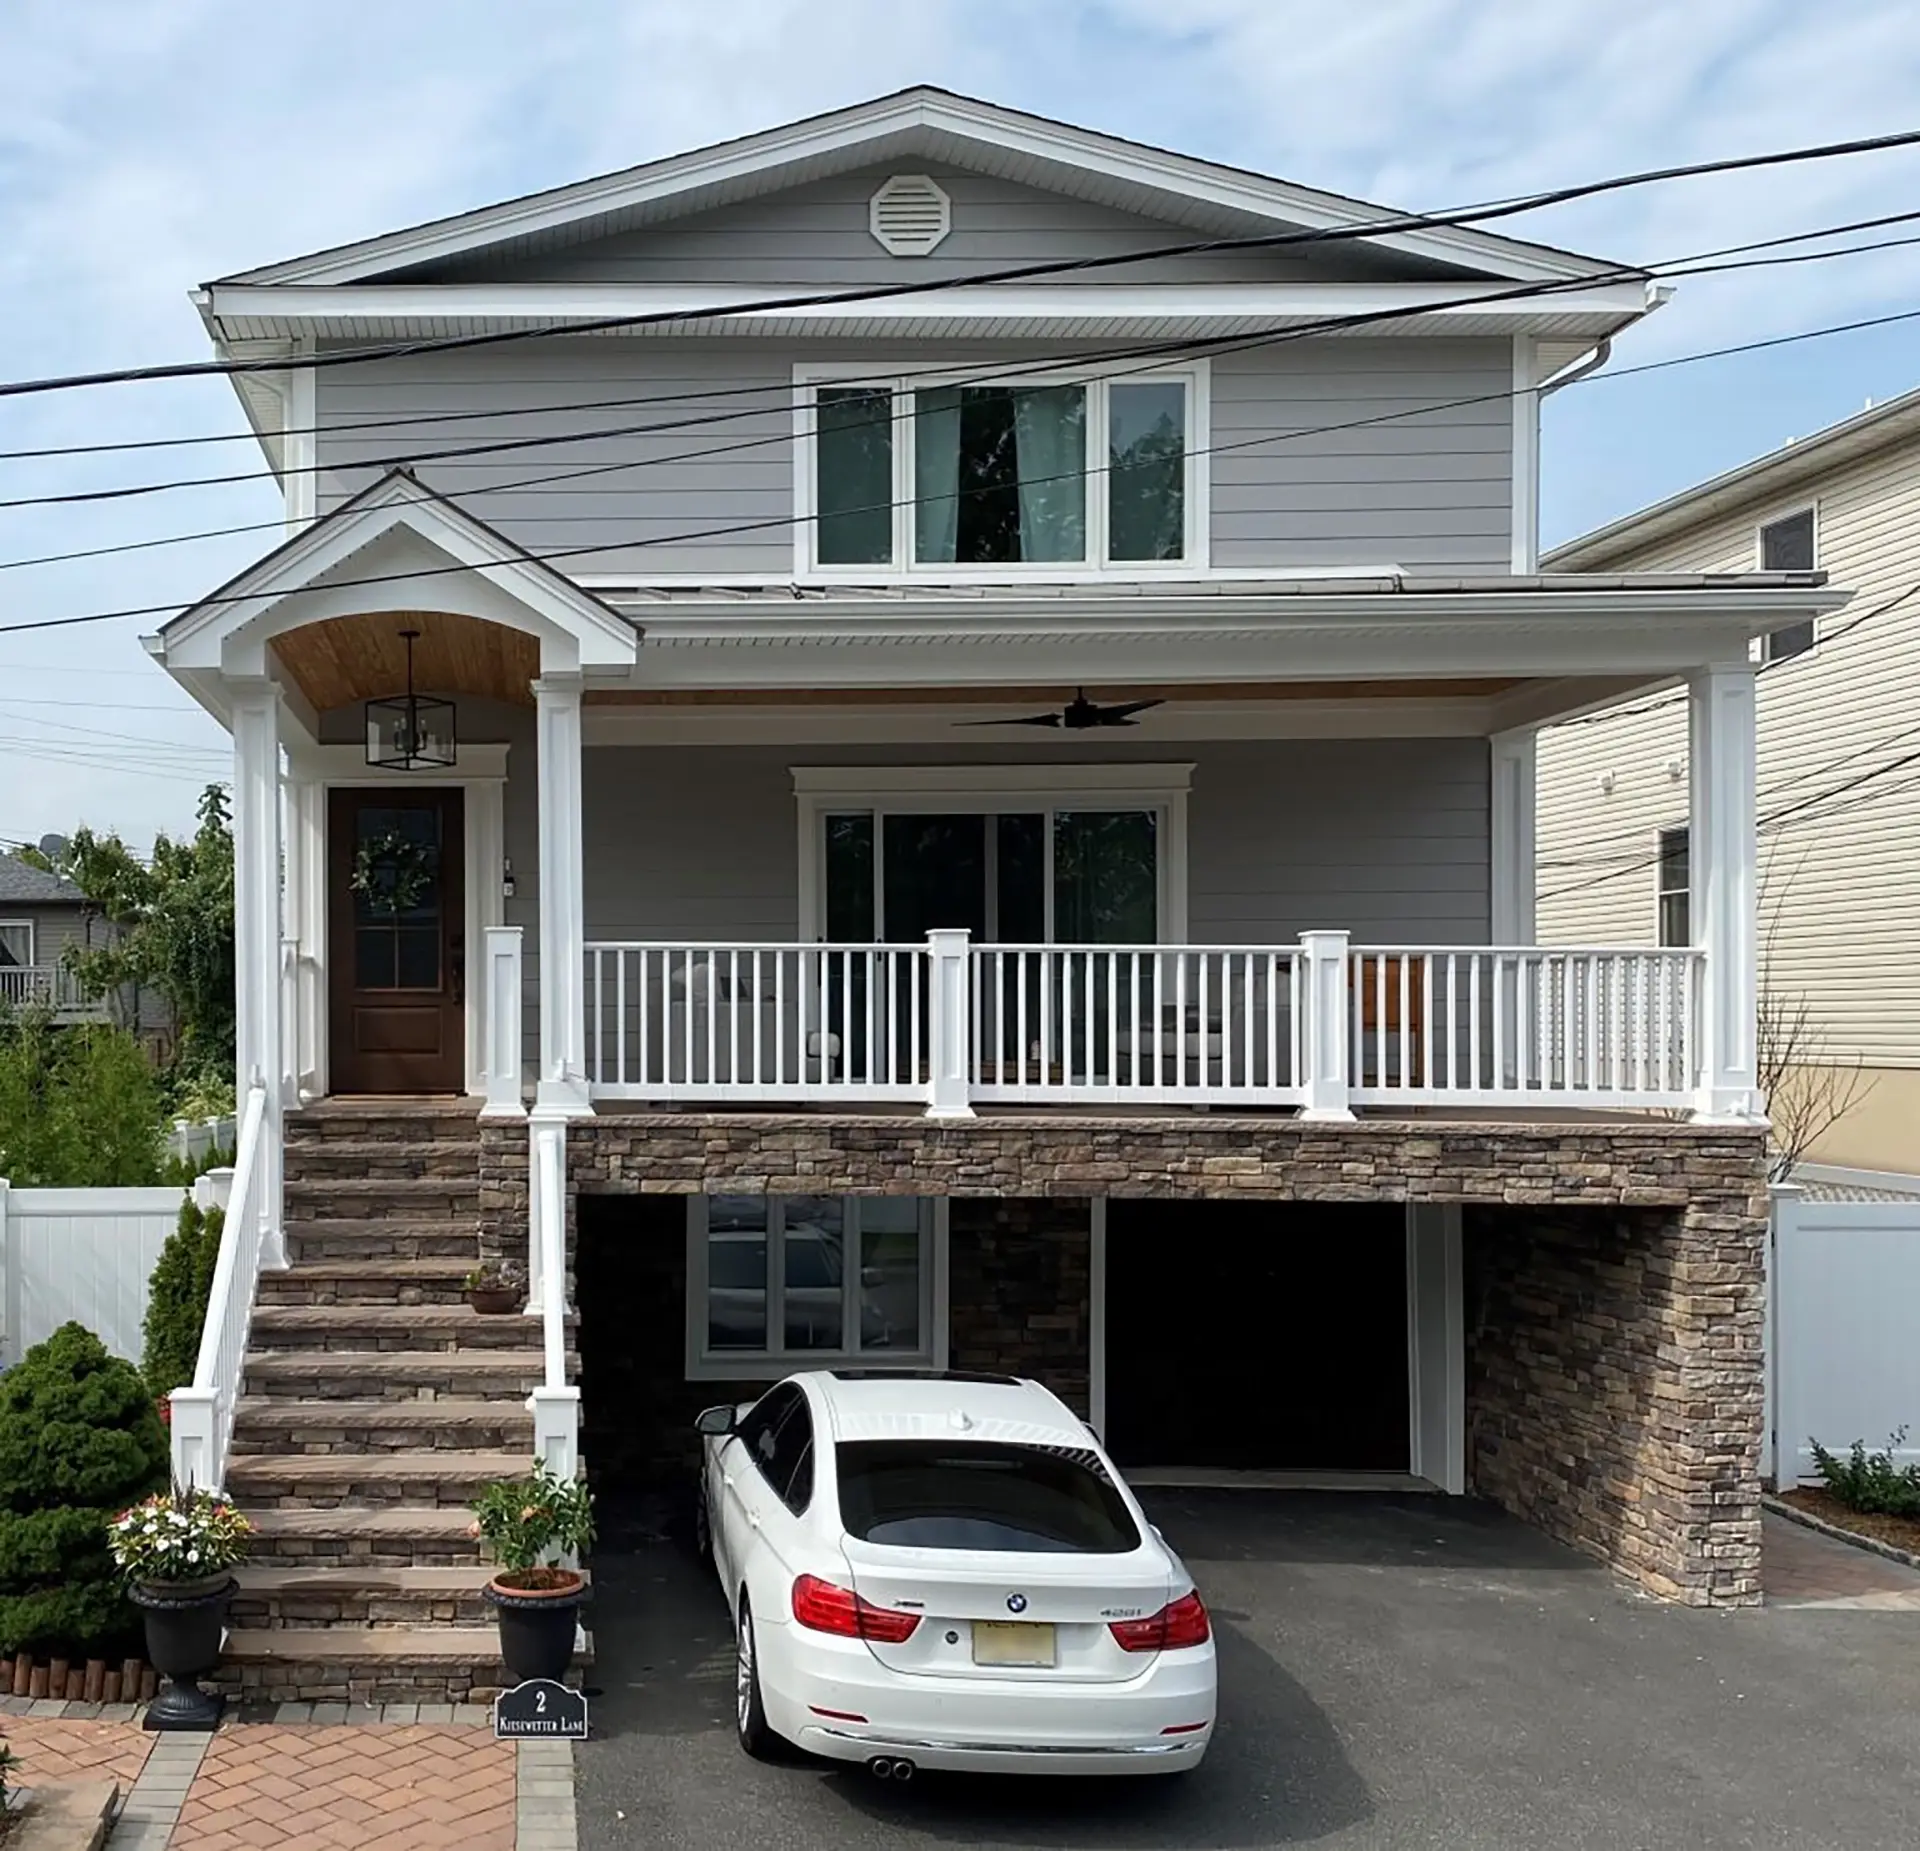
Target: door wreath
[(392, 871)]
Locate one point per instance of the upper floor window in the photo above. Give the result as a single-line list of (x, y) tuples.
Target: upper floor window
[(918, 475), (1675, 887), (1787, 545)]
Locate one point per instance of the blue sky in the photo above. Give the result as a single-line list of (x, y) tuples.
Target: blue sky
[(147, 145)]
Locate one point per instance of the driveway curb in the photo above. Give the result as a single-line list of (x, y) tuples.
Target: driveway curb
[(1807, 1520)]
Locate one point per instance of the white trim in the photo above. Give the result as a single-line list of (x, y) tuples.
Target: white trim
[(1512, 761), (32, 945), (820, 790), (1722, 861), (917, 122), (773, 1364), (1436, 1346), (299, 446), (562, 1083), (1194, 376), (1526, 456), (1097, 1317)]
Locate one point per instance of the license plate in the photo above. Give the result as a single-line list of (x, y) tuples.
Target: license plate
[(1013, 1642)]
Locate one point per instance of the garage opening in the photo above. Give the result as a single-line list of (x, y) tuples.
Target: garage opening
[(1257, 1336)]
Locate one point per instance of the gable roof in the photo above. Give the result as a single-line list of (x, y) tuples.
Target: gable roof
[(1798, 462), (22, 884), (929, 123)]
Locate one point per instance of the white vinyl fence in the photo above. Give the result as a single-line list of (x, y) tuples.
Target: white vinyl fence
[(83, 1254), (1843, 1320)]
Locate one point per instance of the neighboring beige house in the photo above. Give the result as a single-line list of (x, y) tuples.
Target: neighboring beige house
[(1839, 760)]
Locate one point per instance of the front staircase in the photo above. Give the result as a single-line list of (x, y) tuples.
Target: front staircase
[(374, 1406)]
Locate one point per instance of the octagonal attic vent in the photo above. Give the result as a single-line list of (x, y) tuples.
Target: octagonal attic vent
[(910, 215)]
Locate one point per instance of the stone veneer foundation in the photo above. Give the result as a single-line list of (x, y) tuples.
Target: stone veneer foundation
[(1613, 1275)]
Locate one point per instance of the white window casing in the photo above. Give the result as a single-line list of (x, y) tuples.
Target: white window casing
[(903, 382)]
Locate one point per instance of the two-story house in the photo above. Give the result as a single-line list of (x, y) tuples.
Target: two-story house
[(956, 810), (1839, 787)]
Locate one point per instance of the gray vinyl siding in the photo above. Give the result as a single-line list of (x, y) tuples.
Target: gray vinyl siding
[(1385, 837), (817, 235), (54, 927), (1325, 453)]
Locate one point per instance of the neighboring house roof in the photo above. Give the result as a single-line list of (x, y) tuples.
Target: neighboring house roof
[(1825, 1182), (929, 124), (1780, 471), (22, 884)]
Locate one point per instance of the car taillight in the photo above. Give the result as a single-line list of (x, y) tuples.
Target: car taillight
[(1179, 1622), (822, 1607)]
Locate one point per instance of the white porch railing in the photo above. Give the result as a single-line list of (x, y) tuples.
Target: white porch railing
[(1323, 1026), (1573, 1026), (42, 986), (202, 1412)]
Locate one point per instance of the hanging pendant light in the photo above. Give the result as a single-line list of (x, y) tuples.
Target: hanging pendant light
[(413, 733)]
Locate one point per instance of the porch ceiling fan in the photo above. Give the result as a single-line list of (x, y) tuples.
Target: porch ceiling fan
[(1077, 715)]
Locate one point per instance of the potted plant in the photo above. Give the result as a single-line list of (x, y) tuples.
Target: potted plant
[(177, 1550), (525, 1522), (496, 1286)]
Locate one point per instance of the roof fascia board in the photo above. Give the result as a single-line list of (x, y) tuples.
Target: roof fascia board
[(1862, 435), (847, 131)]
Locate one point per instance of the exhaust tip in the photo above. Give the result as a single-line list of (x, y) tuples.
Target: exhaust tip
[(880, 1767), (903, 1770)]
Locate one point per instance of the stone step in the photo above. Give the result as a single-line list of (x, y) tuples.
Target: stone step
[(394, 1327), (454, 1123), (324, 1241), (325, 1481), (281, 1424), (376, 1158), (401, 1375), (278, 1594), (437, 1279), (403, 1198), (348, 1664), (354, 1537)]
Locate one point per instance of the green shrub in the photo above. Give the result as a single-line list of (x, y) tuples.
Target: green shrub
[(79, 1105), (80, 1440), (1871, 1482), (181, 1171), (177, 1297)]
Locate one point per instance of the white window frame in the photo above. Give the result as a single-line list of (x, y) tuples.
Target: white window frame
[(1661, 891), (1763, 645), (771, 1365), (831, 790), (1194, 374), (32, 944)]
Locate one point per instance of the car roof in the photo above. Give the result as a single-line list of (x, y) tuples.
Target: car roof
[(912, 1406)]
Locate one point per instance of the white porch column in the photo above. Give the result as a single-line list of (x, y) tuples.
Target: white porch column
[(306, 928), (949, 965), (1723, 851), (1324, 1044), (1514, 755), (256, 928), (563, 1024)]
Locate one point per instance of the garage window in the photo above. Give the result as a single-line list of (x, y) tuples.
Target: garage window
[(783, 1282)]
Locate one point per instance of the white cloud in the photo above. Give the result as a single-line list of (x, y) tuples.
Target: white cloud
[(146, 145)]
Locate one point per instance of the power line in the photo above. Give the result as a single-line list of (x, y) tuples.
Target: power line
[(1697, 264), (1015, 273)]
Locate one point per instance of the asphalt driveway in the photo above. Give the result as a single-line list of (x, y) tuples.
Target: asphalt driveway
[(1395, 1672)]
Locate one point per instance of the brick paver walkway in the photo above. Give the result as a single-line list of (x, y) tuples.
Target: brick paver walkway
[(53, 1749), (323, 1788), (1802, 1568)]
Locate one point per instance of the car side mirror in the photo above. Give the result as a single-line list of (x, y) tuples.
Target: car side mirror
[(714, 1422)]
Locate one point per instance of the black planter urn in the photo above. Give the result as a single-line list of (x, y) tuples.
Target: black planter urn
[(537, 1627), (186, 1621)]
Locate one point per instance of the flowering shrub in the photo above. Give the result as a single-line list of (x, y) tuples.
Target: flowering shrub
[(524, 1519), (178, 1536)]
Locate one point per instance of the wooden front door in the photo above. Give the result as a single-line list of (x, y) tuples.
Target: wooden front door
[(396, 883)]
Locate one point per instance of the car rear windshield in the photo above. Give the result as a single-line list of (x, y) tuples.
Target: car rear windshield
[(925, 1494)]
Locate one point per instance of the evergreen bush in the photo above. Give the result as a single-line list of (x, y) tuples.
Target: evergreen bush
[(177, 1296), (80, 1440)]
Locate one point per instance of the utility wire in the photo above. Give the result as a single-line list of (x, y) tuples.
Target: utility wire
[(1399, 223)]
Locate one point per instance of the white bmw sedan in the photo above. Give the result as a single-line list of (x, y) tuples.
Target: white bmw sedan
[(946, 1571)]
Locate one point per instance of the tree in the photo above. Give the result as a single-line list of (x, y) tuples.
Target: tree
[(80, 1440), (172, 921), (177, 1295), (79, 1105)]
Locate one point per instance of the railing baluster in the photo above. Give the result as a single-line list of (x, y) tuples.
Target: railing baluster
[(1180, 1018)]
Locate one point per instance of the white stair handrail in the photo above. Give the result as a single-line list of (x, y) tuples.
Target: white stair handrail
[(202, 1412)]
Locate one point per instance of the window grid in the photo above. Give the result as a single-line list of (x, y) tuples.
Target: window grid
[(1789, 544), (1675, 886)]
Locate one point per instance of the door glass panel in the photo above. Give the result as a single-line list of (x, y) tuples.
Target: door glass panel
[(813, 1245), (1022, 842), (936, 875), (396, 897), (889, 1273), (1106, 877), (737, 1272), (850, 879)]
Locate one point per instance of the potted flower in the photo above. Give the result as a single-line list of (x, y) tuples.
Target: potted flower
[(525, 1522), (496, 1286), (177, 1550)]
